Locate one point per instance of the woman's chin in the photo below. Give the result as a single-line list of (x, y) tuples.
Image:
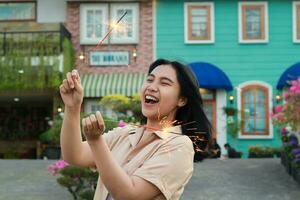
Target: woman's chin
[(150, 114)]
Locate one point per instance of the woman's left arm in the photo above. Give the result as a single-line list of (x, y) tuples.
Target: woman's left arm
[(120, 185)]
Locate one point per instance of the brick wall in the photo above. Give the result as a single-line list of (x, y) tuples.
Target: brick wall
[(144, 47)]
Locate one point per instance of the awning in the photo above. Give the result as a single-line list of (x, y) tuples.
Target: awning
[(99, 85), (210, 77), (291, 73)]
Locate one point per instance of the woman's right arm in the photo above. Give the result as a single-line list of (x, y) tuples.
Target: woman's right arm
[(74, 150)]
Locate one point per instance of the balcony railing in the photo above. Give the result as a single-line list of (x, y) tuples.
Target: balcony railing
[(34, 56)]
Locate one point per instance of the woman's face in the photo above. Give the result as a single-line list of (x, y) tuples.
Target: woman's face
[(160, 94)]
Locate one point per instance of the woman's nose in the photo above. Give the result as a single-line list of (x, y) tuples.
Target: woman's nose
[(152, 88)]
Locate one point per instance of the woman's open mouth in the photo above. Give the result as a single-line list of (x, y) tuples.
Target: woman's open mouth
[(149, 99)]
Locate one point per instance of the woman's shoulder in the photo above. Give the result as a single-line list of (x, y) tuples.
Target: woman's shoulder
[(122, 131), (181, 141)]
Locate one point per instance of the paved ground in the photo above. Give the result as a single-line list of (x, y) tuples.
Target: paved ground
[(252, 179)]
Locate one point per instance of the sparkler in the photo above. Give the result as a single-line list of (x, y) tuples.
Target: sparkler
[(110, 30)]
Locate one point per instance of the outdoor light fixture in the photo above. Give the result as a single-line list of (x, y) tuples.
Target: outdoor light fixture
[(277, 98), (59, 109), (81, 56), (231, 98), (16, 99), (134, 54)]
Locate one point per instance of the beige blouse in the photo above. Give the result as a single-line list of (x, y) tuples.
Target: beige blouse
[(165, 159)]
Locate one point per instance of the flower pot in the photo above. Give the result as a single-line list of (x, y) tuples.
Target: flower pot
[(52, 152)]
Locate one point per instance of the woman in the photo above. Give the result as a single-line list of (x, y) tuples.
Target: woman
[(154, 161)]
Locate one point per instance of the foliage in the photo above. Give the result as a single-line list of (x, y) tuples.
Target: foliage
[(230, 111), (119, 103), (69, 55), (288, 113), (52, 135), (128, 109), (263, 152), (32, 61), (80, 182)]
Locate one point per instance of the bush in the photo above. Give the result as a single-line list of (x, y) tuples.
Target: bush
[(80, 182), (52, 135)]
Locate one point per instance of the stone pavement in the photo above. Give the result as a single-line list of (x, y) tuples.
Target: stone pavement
[(236, 179)]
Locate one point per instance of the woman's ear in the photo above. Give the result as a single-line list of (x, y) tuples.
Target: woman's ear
[(182, 101)]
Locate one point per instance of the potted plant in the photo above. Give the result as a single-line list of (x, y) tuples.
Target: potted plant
[(230, 111), (80, 182), (50, 140)]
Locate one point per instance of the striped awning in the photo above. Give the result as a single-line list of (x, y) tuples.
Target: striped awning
[(99, 85)]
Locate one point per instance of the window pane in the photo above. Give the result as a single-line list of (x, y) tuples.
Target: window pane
[(94, 20), (199, 22), (125, 29), (208, 109), (260, 126), (255, 110), (17, 11), (253, 23)]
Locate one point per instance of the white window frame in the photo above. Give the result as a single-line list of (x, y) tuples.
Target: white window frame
[(239, 102), (295, 39), (135, 24), (83, 17), (240, 25), (212, 23), (109, 12)]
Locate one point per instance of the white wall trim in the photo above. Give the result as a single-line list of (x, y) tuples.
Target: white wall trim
[(295, 4), (212, 21), (221, 129), (239, 103), (240, 4)]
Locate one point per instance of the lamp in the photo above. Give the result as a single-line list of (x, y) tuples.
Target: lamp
[(231, 99), (134, 54), (59, 109), (81, 56), (277, 98)]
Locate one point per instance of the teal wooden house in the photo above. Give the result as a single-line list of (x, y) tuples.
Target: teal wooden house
[(242, 52)]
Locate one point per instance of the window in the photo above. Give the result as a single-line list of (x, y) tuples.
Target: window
[(253, 22), (296, 22), (254, 105), (199, 22), (95, 19), (127, 33), (18, 11)]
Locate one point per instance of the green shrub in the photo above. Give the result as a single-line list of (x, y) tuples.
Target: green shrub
[(52, 135), (80, 182)]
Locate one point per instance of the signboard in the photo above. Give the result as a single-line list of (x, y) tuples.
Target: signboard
[(109, 58)]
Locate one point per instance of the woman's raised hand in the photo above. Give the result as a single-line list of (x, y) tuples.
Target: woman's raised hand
[(93, 126), (71, 90)]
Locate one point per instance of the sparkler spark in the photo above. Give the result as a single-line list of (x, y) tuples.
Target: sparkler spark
[(110, 30)]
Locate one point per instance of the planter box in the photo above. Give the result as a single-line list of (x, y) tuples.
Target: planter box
[(51, 152), (295, 173), (21, 149)]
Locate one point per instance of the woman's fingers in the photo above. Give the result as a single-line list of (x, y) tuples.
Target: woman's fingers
[(76, 79), (93, 126), (70, 80), (100, 121)]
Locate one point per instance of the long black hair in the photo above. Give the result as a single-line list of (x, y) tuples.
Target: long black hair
[(191, 116)]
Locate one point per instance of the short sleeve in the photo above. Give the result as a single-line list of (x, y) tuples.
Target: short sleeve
[(171, 167)]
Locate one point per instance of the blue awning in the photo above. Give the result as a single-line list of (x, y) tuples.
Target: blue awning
[(210, 77), (291, 73)]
